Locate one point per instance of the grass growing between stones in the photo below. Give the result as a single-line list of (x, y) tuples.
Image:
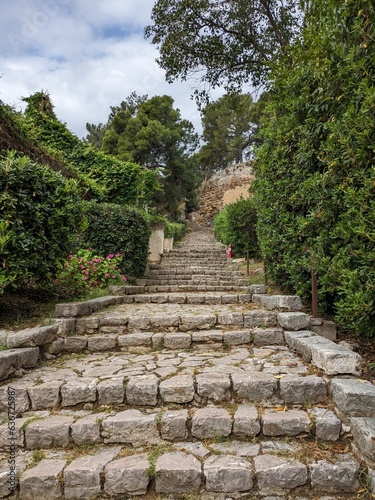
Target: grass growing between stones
[(365, 489), (81, 450), (153, 454), (37, 456)]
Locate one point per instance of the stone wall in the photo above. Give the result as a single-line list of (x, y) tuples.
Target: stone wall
[(221, 189)]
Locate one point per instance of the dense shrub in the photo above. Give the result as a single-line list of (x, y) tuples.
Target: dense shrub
[(115, 229), (236, 225), (174, 230), (315, 177), (42, 212)]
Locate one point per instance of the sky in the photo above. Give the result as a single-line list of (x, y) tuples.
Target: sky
[(88, 54)]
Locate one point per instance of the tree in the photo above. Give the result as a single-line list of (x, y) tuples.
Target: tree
[(230, 127), (222, 42), (153, 134)]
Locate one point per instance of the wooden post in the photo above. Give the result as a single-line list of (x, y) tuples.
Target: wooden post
[(314, 293), (247, 263)]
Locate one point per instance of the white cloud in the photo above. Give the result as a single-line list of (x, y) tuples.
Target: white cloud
[(89, 55)]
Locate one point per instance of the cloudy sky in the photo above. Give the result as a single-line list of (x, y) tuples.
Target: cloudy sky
[(88, 54)]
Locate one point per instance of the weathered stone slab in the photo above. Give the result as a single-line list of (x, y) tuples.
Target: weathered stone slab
[(81, 390), (72, 310), (246, 421), (11, 432), (165, 322), (363, 430), (82, 477), (102, 302), (327, 425), (207, 336), (139, 323), (17, 390), (55, 347), (294, 321), (127, 476), (302, 390), (268, 336), (257, 318), (99, 343), (111, 391), (178, 389), (87, 325), (228, 474), (275, 475), (213, 387), (340, 476), (199, 322), (13, 359), (132, 427), (326, 329), (135, 340), (237, 337), (32, 337), (43, 481), (237, 448), (287, 303), (142, 390), (258, 289), (335, 359), (285, 423), (177, 340), (45, 395), (211, 422), (173, 426), (254, 386), (50, 432), (354, 398), (87, 429), (66, 327), (178, 473), (75, 344), (292, 338), (230, 319)]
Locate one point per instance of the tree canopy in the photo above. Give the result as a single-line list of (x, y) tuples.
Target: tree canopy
[(221, 42)]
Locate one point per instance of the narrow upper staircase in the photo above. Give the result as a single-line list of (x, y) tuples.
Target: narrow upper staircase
[(190, 385)]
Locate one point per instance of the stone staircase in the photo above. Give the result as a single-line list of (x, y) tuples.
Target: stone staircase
[(202, 389)]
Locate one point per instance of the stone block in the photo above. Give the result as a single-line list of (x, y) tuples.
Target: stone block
[(17, 390), (111, 391), (135, 340), (130, 427), (87, 325), (32, 337), (226, 319), (207, 336), (173, 426), (56, 347), (292, 338), (177, 340), (237, 337), (87, 429), (12, 432), (337, 477), (327, 330), (139, 323), (72, 310), (178, 472), (258, 289), (99, 343), (287, 303), (246, 421), (302, 390), (13, 359), (363, 430), (294, 321), (268, 336), (353, 398), (102, 302), (78, 391), (51, 432), (327, 425), (275, 474), (178, 389), (335, 359), (142, 390), (228, 474), (165, 322), (285, 423), (127, 476), (66, 327), (257, 318), (46, 395), (254, 386), (304, 344), (213, 387), (43, 481), (82, 477), (211, 423), (75, 344), (198, 322)]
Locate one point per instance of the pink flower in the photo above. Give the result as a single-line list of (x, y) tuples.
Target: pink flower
[(124, 278), (90, 248), (71, 256), (90, 262), (85, 272), (118, 254), (98, 259), (107, 275), (85, 278), (114, 277), (82, 266), (95, 283)]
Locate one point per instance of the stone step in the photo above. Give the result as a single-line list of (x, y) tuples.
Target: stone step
[(195, 281), (199, 472)]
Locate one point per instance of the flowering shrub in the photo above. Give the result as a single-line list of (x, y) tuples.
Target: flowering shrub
[(85, 271)]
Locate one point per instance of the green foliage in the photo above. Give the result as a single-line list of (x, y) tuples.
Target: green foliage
[(6, 237), (116, 229), (315, 179), (236, 225), (230, 127), (41, 211), (86, 271), (174, 230), (227, 43)]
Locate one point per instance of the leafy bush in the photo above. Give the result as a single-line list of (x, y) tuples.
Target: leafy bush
[(42, 211), (236, 225), (174, 230), (116, 229), (315, 179), (85, 271)]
